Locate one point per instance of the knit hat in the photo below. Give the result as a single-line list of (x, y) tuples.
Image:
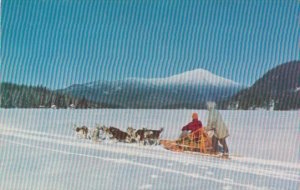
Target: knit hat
[(195, 116)]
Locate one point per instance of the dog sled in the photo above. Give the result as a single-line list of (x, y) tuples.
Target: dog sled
[(196, 142)]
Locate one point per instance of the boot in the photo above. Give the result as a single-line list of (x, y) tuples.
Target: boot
[(225, 155)]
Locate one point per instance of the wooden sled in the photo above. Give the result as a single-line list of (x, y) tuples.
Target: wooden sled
[(198, 141)]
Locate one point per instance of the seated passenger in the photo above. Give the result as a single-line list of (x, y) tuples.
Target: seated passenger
[(192, 126)]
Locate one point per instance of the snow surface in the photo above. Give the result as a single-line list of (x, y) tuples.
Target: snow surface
[(38, 150)]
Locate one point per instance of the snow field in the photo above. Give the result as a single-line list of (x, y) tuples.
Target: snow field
[(38, 150)]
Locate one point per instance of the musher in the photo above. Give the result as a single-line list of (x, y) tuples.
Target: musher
[(216, 123)]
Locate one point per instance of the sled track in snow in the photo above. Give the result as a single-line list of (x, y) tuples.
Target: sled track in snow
[(277, 169)]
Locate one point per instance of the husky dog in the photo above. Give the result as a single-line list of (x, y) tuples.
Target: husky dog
[(153, 137), (115, 133), (81, 132), (137, 135), (145, 136), (95, 134)]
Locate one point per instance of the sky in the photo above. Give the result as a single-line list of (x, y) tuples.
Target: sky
[(60, 43)]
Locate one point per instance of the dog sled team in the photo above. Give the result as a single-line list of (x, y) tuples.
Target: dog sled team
[(99, 133), (194, 137)]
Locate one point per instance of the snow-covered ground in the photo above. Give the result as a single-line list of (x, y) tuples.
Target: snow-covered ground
[(38, 150)]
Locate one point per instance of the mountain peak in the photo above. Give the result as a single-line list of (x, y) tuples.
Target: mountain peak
[(199, 77), (189, 89)]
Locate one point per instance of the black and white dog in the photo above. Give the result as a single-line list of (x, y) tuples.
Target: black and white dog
[(95, 134), (145, 136), (81, 132)]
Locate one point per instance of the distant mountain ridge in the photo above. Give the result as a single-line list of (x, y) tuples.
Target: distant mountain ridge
[(280, 86), (186, 90)]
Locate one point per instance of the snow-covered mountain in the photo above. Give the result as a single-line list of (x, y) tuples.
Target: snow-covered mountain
[(196, 77), (190, 89)]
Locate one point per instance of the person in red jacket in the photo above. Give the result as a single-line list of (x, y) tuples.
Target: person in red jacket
[(192, 126)]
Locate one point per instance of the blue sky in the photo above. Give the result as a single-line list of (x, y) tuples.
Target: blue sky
[(59, 43)]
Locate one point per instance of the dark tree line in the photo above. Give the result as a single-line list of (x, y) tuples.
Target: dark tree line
[(250, 99), (22, 96)]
